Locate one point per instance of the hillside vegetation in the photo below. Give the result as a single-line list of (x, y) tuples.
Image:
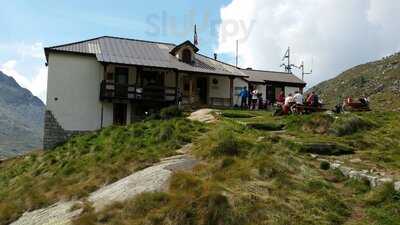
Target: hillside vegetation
[(380, 80), (86, 163), (256, 169)]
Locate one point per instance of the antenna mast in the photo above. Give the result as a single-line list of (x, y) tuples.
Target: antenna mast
[(302, 71), (288, 66)]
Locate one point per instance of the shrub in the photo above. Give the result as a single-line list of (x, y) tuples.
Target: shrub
[(219, 211), (350, 125), (325, 148), (317, 185), (227, 162), (170, 112), (237, 115), (324, 165), (318, 123), (227, 144), (166, 132), (266, 126), (359, 186), (185, 182), (144, 203), (384, 193)]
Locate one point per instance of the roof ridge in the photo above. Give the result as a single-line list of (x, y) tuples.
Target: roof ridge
[(140, 40), (218, 60), (270, 71), (73, 43), (97, 38)]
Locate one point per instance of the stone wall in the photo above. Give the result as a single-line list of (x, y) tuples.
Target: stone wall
[(54, 134)]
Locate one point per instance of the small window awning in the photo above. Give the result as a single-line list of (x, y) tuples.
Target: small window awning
[(184, 45)]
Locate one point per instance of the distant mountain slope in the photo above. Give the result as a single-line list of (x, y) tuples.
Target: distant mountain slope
[(380, 80), (21, 118)]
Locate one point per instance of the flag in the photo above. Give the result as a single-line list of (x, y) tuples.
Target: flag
[(195, 38)]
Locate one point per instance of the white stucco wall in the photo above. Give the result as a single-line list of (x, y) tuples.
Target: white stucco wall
[(291, 90), (238, 85), (108, 110), (220, 90), (73, 91), (262, 88)]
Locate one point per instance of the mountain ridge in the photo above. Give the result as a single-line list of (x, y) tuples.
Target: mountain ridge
[(380, 80), (21, 118)]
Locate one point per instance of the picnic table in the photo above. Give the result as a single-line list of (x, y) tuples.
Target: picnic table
[(309, 108)]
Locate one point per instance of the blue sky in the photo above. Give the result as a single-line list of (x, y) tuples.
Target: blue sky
[(27, 26), (329, 36)]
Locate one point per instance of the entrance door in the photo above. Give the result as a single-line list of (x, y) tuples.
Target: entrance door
[(120, 112), (270, 94), (202, 89), (121, 82)]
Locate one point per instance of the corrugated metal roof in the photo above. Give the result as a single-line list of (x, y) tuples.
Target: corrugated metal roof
[(262, 76), (144, 53)]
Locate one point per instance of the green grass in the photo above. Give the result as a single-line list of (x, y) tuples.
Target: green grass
[(243, 181), (87, 162), (249, 174)]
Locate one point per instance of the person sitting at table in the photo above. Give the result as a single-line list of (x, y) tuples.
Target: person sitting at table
[(288, 103), (298, 99), (280, 100)]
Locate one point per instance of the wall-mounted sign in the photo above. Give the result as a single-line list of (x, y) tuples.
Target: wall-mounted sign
[(215, 81)]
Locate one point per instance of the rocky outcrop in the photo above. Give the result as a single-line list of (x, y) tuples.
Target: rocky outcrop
[(154, 178), (373, 178), (203, 115)]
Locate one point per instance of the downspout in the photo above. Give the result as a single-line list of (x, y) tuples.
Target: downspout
[(102, 103)]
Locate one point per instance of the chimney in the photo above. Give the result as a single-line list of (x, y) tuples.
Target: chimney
[(215, 56)]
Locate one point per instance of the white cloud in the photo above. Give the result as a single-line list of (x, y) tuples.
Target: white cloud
[(30, 50), (37, 84), (337, 34)]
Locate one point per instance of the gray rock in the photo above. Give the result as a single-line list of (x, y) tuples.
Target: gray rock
[(151, 179), (397, 186), (384, 180), (345, 170), (356, 160), (335, 165)]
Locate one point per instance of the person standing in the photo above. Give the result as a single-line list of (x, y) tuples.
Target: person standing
[(244, 94), (254, 99)]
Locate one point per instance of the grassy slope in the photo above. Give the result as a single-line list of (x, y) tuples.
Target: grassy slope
[(251, 180), (377, 79), (87, 162)]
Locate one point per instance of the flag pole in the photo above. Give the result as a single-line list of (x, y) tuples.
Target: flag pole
[(195, 37), (237, 52)]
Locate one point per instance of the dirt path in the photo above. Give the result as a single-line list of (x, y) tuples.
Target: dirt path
[(154, 178)]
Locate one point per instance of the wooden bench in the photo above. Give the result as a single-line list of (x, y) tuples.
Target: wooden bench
[(356, 106), (306, 108)]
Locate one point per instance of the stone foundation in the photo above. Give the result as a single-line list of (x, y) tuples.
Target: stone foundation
[(54, 134)]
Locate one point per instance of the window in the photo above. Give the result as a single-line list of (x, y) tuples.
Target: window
[(187, 56)]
